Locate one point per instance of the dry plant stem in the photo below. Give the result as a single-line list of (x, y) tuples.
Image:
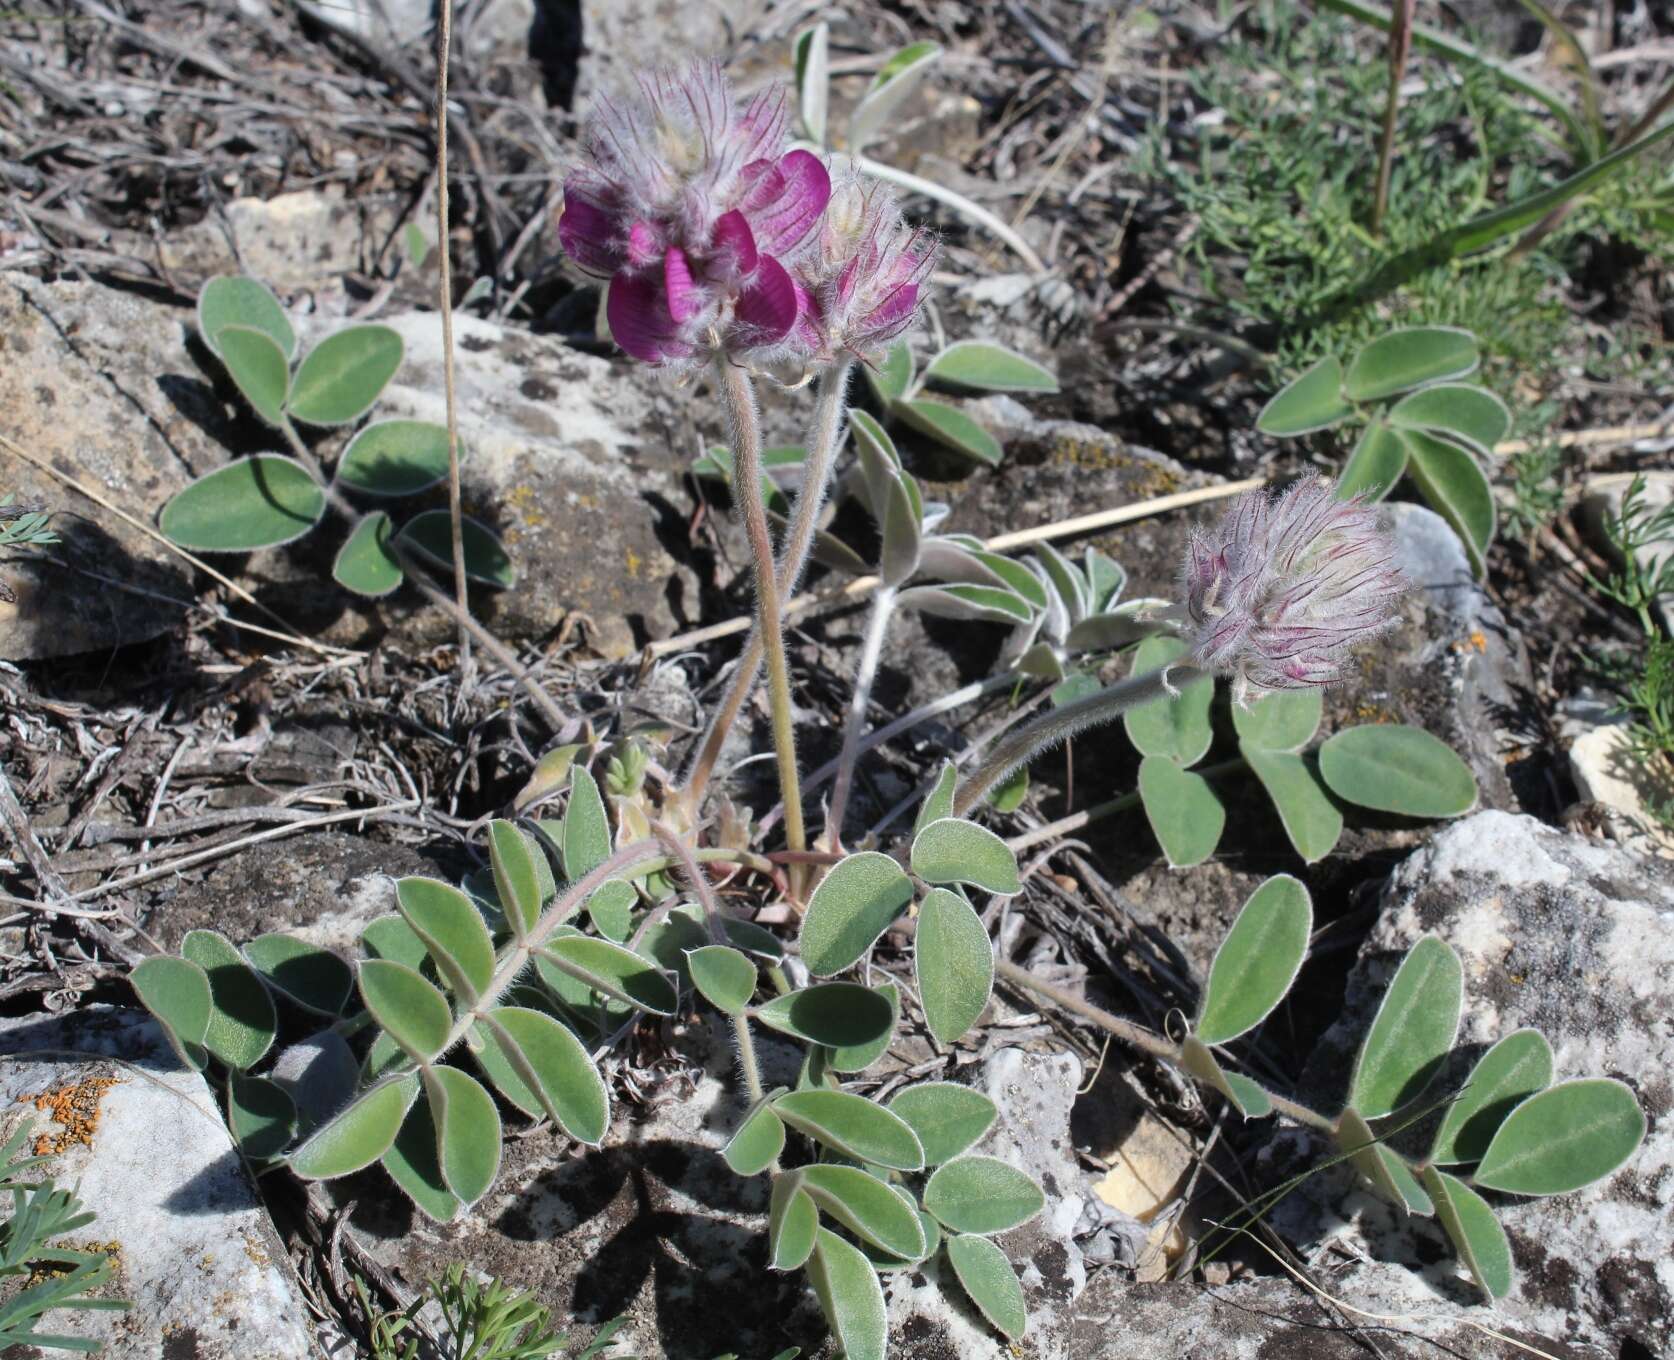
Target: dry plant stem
[(444, 41), (799, 541), (740, 401), (960, 204), (419, 575), (717, 935), (1099, 811), (1137, 1036), (1051, 728), (1400, 46), (866, 671)]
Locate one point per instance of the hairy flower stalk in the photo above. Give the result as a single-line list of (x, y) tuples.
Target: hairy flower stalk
[(1276, 596)]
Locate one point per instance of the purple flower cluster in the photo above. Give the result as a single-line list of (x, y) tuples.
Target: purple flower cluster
[(714, 237), (1279, 591)]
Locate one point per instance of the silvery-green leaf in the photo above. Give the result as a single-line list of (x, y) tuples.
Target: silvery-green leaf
[(541, 1067), (365, 564), (1312, 401), (792, 1221), (396, 458), (313, 978), (757, 1143), (938, 803), (724, 977), (1517, 1067), (259, 369), (234, 300), (982, 1195), (953, 962), (849, 1292), (261, 1115), (813, 79), (413, 1165), (1453, 482), (978, 366), (1184, 813), (951, 428), (1413, 356), (1177, 727), (951, 850), (1469, 413), (453, 933), (1257, 961), (339, 379), (1395, 768), (1476, 1234), (948, 1119), (259, 502), (517, 880), (890, 379), (1284, 720), (1567, 1136), (407, 1007), (613, 971), (1415, 1026), (858, 1057), (853, 1126), (1378, 460), (986, 1275), (242, 1022), (978, 604), (854, 904), (896, 79), (430, 535), (835, 1014), (1311, 820), (586, 826), (867, 1207), (467, 1132), (360, 1134)]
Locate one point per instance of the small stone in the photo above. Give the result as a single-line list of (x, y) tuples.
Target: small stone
[(1607, 772), (140, 1140)]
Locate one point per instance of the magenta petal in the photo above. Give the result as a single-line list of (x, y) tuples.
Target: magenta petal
[(586, 231), (642, 245), (685, 300), (640, 320), (804, 188), (735, 243), (767, 308), (898, 305)]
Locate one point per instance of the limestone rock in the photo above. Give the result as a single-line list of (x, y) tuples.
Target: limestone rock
[(1608, 774), (146, 1149)]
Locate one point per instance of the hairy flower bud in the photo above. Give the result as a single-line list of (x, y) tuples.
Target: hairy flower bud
[(692, 209), (1279, 591)]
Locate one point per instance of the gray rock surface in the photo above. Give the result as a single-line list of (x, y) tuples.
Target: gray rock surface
[(146, 1149), (1556, 932)]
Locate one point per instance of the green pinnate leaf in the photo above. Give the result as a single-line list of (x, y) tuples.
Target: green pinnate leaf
[(311, 977), (396, 458), (176, 991), (854, 904), (947, 1118), (1474, 1231), (517, 879), (953, 961), (1412, 1031), (955, 851), (852, 1126), (951, 428), (467, 1132), (1257, 961), (938, 803), (977, 366), (586, 826), (258, 502), (542, 1068), (1517, 1067), (1467, 412), (835, 1014), (365, 564), (390, 937), (813, 77), (858, 1057), (725, 978), (233, 300), (890, 378), (982, 1195), (1247, 1097), (360, 1135), (1453, 482), (1284, 720), (986, 1276), (1176, 727), (1185, 814), (792, 1221), (757, 1144), (968, 603), (896, 79), (261, 1115), (1378, 460), (242, 1023), (867, 1207), (340, 378), (1387, 1172), (610, 909), (412, 1163), (613, 971), (1567, 1136), (1311, 820), (259, 369), (487, 562), (849, 1292), (1413, 356), (1394, 768), (409, 1009), (1312, 401), (453, 933)]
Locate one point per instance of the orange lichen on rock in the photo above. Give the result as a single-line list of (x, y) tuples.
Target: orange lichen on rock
[(76, 1108)]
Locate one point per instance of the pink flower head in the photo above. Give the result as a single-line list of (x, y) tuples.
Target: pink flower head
[(867, 281), (688, 204), (1280, 590)]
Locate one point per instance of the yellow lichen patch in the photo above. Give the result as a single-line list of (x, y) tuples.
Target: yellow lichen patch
[(1095, 455), (1477, 642), (76, 1108), (111, 1249)]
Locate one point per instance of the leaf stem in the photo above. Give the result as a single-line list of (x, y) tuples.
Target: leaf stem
[(799, 540), (740, 399), (1060, 724), (866, 671)]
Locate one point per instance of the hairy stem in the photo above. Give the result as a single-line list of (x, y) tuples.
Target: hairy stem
[(866, 671), (799, 541), (1400, 45), (1051, 728), (740, 398), (444, 41), (1137, 1036), (419, 574)]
